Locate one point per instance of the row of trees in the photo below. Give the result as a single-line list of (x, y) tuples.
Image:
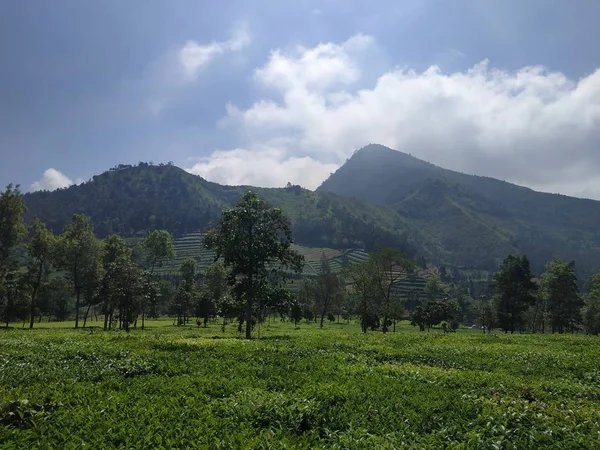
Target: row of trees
[(247, 281), (98, 273), (521, 302)]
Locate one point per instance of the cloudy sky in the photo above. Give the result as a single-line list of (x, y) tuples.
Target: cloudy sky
[(264, 92)]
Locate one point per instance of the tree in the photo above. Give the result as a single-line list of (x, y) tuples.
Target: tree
[(79, 254), (591, 315), (515, 291), (389, 267), (187, 290), (214, 286), (364, 288), (560, 291), (250, 237), (434, 288), (40, 251), (116, 256), (159, 248), (324, 288), (485, 314), (12, 233)]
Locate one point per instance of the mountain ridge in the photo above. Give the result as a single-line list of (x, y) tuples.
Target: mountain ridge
[(379, 197)]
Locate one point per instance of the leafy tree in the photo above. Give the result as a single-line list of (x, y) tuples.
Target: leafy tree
[(251, 236), (515, 291), (296, 313), (214, 286), (40, 250), (560, 291), (591, 315), (12, 233), (116, 256), (434, 288), (187, 290), (79, 254), (485, 314), (159, 248), (324, 288), (435, 312), (389, 266), (128, 292), (365, 290)]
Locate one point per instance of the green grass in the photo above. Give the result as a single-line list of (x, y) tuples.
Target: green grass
[(169, 387)]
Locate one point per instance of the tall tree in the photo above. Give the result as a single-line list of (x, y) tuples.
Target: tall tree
[(116, 256), (40, 251), (324, 288), (12, 233), (187, 290), (214, 286), (591, 315), (79, 255), (515, 291), (389, 267), (159, 247), (563, 302), (364, 289), (251, 236)]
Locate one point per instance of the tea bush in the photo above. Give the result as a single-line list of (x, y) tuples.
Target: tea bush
[(168, 387)]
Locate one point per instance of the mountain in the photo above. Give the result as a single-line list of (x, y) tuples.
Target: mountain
[(130, 200), (379, 197), (468, 220)]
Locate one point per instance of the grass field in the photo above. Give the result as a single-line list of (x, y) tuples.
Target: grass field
[(169, 387)]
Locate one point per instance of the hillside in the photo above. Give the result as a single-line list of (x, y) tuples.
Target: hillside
[(472, 221), (132, 200)]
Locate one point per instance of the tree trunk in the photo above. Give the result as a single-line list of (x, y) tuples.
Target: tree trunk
[(32, 311), (143, 317), (77, 296), (249, 318), (86, 315)]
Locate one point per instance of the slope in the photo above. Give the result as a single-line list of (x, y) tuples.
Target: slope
[(132, 200), (470, 220)]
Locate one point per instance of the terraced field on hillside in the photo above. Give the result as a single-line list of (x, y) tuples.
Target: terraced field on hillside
[(190, 246)]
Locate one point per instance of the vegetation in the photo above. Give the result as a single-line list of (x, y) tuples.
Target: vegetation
[(470, 221), (188, 387), (249, 237), (304, 385)]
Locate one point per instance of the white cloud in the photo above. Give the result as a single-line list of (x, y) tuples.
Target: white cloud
[(193, 57), (269, 166), (50, 181), (531, 126)]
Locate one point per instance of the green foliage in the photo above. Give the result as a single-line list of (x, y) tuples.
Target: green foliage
[(41, 250), (591, 316), (309, 388), (12, 232), (561, 295), (515, 291), (159, 248), (471, 221), (249, 237), (79, 255)]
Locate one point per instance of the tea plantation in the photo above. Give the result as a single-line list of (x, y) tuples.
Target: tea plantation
[(169, 387)]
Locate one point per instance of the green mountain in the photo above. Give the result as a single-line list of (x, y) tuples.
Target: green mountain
[(471, 221), (130, 200), (379, 197)]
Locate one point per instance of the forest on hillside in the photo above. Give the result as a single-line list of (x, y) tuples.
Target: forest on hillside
[(77, 275)]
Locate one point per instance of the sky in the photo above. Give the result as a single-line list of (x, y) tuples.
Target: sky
[(268, 92)]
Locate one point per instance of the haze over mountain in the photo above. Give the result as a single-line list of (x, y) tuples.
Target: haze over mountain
[(378, 197)]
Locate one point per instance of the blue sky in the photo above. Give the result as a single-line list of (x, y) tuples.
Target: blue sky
[(266, 92)]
